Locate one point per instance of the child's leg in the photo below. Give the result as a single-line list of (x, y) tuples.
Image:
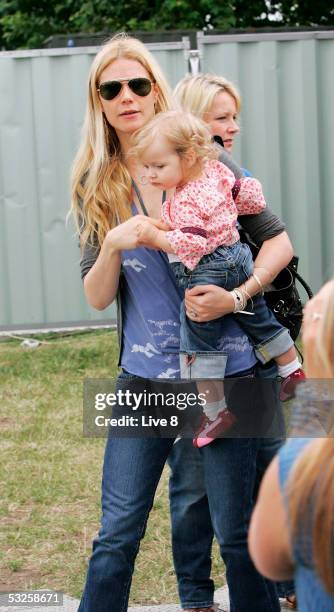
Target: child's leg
[(290, 370), (273, 341), (288, 362), (286, 357), (200, 356), (216, 419)]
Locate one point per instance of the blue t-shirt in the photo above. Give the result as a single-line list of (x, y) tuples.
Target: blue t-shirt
[(151, 320), (311, 595)]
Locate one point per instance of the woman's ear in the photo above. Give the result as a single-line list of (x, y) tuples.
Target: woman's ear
[(101, 104), (190, 158), (155, 92)]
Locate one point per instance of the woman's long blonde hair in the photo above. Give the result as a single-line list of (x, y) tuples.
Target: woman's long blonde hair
[(100, 181), (195, 94), (312, 477)]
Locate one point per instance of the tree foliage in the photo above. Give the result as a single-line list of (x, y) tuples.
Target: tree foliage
[(27, 23)]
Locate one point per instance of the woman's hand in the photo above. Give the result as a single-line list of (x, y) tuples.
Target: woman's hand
[(133, 233), (207, 302)]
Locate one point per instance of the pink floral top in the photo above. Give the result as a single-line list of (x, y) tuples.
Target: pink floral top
[(203, 213)]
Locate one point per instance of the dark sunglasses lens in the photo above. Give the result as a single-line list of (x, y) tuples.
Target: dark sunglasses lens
[(110, 89), (141, 87)]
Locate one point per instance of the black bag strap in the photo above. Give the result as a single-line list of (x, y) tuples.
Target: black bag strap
[(301, 280), (141, 201)]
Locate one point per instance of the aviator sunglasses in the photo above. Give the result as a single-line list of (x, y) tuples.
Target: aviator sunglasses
[(110, 89)]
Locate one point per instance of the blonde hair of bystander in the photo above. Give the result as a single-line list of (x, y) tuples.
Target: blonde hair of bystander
[(312, 477)]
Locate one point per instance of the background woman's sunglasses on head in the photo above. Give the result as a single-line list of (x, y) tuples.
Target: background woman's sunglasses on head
[(110, 89)]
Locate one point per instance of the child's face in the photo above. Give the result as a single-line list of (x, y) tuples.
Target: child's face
[(163, 167)]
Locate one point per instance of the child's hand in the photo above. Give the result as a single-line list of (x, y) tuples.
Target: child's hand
[(150, 233), (147, 234)]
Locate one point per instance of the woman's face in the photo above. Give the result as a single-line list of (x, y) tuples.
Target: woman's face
[(127, 112), (222, 119)]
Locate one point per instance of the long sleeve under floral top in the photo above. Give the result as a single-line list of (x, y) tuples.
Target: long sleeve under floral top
[(203, 213)]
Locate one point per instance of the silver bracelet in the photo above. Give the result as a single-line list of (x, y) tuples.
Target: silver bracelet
[(239, 300), (249, 297), (258, 280)]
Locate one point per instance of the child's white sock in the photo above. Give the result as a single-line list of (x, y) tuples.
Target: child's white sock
[(211, 410), (285, 370)]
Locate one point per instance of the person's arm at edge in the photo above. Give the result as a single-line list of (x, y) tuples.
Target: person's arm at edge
[(268, 539), (268, 232), (273, 256), (276, 251), (100, 270)]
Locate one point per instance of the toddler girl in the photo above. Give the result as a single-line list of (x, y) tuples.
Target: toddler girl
[(204, 248)]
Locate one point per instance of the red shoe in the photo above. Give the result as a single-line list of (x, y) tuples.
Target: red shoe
[(289, 384), (213, 429)]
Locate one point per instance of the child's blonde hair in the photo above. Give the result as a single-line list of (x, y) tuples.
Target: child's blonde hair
[(183, 131)]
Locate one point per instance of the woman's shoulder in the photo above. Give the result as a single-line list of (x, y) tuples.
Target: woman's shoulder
[(288, 455), (216, 170)]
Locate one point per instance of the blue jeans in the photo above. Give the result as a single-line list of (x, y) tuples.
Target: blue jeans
[(192, 530), (228, 267), (131, 471)]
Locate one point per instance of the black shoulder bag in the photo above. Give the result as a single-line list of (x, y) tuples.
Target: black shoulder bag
[(282, 295)]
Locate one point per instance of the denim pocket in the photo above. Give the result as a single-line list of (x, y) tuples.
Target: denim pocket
[(247, 265), (208, 275), (229, 254)]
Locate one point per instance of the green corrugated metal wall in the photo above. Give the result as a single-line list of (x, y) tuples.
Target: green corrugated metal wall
[(287, 88), (42, 102), (287, 127)]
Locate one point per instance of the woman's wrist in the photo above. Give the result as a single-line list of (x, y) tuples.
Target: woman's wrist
[(239, 300), (228, 302), (256, 283), (110, 242)]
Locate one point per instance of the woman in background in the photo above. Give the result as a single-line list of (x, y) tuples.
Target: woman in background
[(292, 528), (216, 101)]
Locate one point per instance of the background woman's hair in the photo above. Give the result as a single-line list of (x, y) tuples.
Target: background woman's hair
[(100, 181), (325, 338), (182, 131), (195, 94), (311, 483)]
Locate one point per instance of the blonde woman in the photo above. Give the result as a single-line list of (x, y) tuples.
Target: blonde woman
[(292, 527), (111, 206), (216, 101)]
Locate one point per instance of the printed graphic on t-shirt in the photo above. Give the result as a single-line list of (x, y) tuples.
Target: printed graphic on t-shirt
[(149, 350), (169, 373), (135, 264)]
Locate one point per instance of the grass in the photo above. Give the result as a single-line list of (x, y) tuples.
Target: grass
[(50, 474)]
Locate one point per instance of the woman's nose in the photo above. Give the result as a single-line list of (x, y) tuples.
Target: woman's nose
[(126, 93), (233, 126)]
